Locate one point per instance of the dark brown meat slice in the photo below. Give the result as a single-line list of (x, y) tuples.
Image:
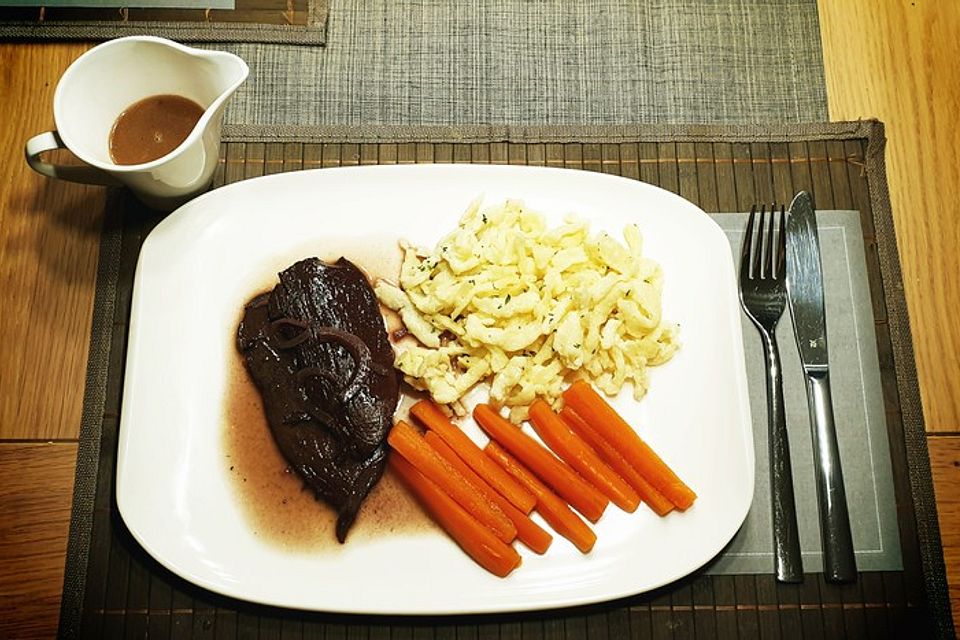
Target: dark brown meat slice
[(317, 349)]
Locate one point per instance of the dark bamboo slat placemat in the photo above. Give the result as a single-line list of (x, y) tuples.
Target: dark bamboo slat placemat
[(266, 21), (112, 588)]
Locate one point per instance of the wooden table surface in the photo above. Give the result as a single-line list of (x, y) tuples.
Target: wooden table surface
[(892, 60)]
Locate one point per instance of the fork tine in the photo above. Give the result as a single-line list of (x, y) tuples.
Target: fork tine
[(747, 245), (758, 251), (782, 244), (772, 256)]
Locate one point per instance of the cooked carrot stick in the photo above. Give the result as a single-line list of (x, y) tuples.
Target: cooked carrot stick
[(648, 494), (434, 419), (410, 444), (475, 539), (558, 476), (554, 510), (597, 413), (578, 454), (528, 531)]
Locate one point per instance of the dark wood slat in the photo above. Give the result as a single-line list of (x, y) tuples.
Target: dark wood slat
[(598, 626), (225, 626), (517, 153), (573, 155), (768, 613), (554, 155), (743, 177), (424, 152), (253, 167), (859, 188), (499, 153), (629, 163), (895, 596), (788, 599), (762, 173), (461, 153), (687, 180), (854, 622), (707, 196), (726, 178), (370, 153), (270, 627), (138, 596), (592, 157), (800, 168), (331, 156), (575, 627), (661, 615), (618, 623), (533, 629), (292, 156), (877, 622), (551, 629), (610, 159), (783, 190), (681, 600), (668, 168), (536, 155), (443, 153), (511, 631), (272, 158), (116, 596), (838, 174), (248, 625), (725, 600), (649, 166), (704, 615), (389, 153), (833, 623), (820, 175), (406, 153), (480, 153), (748, 623), (811, 615), (181, 614)]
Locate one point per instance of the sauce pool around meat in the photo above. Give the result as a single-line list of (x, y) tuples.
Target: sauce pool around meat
[(277, 506)]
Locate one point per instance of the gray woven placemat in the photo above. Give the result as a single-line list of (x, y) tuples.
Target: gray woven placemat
[(417, 62)]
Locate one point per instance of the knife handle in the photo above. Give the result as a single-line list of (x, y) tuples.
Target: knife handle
[(839, 562), (786, 536)]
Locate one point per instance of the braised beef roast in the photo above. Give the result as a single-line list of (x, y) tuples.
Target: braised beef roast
[(317, 349)]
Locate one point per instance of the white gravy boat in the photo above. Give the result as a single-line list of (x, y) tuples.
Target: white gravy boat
[(109, 78)]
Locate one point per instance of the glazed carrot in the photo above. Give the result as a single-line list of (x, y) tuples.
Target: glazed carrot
[(475, 539), (578, 454), (434, 419), (558, 476), (590, 406), (554, 510), (648, 494), (528, 531), (406, 441)]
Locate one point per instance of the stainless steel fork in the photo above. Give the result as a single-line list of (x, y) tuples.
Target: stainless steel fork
[(763, 291)]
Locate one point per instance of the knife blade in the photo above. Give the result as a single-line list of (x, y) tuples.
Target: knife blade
[(806, 302)]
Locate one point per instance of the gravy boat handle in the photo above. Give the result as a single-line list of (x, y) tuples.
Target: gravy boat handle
[(49, 141)]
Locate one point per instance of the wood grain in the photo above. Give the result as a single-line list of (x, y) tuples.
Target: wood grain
[(945, 464), (36, 487), (49, 238), (896, 61)]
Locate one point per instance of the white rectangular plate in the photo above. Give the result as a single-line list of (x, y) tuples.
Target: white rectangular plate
[(202, 262)]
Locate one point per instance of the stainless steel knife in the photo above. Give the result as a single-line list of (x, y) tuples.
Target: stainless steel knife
[(805, 296)]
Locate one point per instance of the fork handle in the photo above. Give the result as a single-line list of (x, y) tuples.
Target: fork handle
[(786, 536), (839, 562)]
